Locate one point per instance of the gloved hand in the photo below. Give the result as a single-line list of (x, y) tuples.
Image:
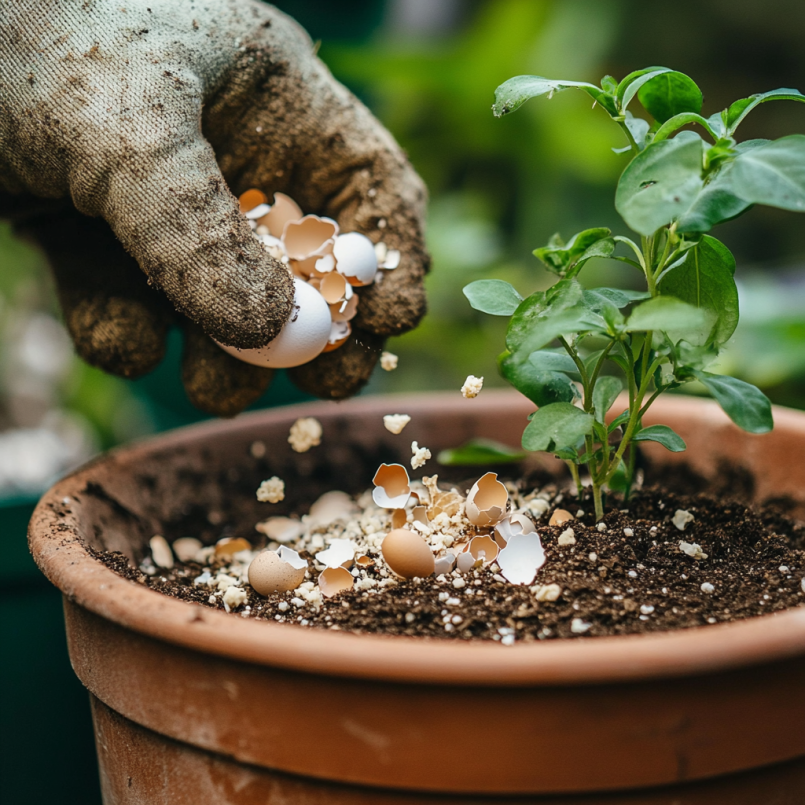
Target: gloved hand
[(145, 114)]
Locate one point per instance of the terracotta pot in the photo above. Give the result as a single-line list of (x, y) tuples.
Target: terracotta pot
[(194, 705)]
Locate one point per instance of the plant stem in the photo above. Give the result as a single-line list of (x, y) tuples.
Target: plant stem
[(599, 506), (574, 471)]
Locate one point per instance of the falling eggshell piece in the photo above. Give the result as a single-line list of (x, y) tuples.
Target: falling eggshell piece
[(484, 549), (270, 573), (407, 554), (250, 199), (161, 552), (229, 546), (301, 339), (560, 516), (399, 517), (355, 258), (331, 506), (486, 501), (280, 529), (186, 548), (522, 557), (392, 489), (283, 210), (334, 580), (310, 236)]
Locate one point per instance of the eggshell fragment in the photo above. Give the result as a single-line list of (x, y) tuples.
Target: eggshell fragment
[(399, 518), (230, 546), (441, 502), (283, 210), (355, 258), (340, 553), (346, 310), (334, 580), (301, 339), (486, 501), (364, 561), (407, 554), (560, 516), (392, 489), (339, 333), (522, 557), (280, 529), (484, 549), (186, 548), (508, 527), (465, 561), (444, 564), (161, 552), (251, 199), (335, 288), (386, 258), (309, 236), (331, 506), (270, 573)]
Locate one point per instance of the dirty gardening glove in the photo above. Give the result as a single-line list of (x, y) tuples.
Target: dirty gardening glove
[(146, 114)]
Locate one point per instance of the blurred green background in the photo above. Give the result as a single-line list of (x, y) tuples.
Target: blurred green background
[(499, 188)]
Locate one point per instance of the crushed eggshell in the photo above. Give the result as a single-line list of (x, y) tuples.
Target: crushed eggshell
[(472, 386), (407, 554), (280, 529), (334, 580), (355, 258), (271, 491), (364, 561), (681, 519), (283, 210), (513, 524), (251, 199), (310, 236), (270, 572), (186, 548), (420, 456), (399, 517), (388, 361), (522, 557), (465, 561), (560, 516), (392, 486), (161, 552), (305, 433), (340, 553), (444, 564), (484, 549), (486, 501), (394, 423)]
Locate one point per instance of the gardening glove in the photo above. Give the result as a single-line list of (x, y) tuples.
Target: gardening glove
[(145, 114)]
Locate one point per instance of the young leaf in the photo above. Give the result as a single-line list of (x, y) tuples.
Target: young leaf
[(512, 94), (638, 128), (549, 361), (684, 119), (660, 183), (616, 296), (477, 452), (717, 202), (562, 258), (669, 94), (740, 109), (665, 313), (495, 297), (705, 280), (773, 174), (630, 85), (663, 435), (743, 403), (541, 387), (557, 427), (605, 393), (620, 419)]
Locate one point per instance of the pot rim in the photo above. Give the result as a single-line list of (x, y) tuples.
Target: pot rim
[(64, 559)]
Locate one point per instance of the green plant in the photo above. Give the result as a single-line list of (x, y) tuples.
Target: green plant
[(675, 188)]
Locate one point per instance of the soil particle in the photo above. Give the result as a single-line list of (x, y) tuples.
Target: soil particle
[(630, 578)]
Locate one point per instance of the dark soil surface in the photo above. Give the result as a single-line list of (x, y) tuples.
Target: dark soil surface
[(611, 582)]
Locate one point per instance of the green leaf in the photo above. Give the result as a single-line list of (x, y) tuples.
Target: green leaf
[(668, 94), (616, 296), (605, 393), (685, 119), (772, 173), (744, 404), (541, 387), (663, 435), (638, 128), (620, 419), (477, 452), (495, 297), (549, 361), (630, 85), (512, 94), (716, 203), (705, 279), (665, 313), (559, 426), (740, 109), (567, 259), (661, 183)]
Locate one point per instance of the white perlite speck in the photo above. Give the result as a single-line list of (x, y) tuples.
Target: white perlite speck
[(388, 361), (271, 491), (394, 423), (420, 455), (628, 532), (546, 592), (472, 386), (305, 433), (579, 626), (602, 527), (567, 537), (161, 552), (692, 549), (802, 585), (646, 609), (681, 518), (708, 588), (234, 597)]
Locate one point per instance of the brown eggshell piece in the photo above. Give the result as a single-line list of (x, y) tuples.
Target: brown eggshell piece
[(312, 235), (269, 574), (364, 561), (560, 516), (407, 554), (335, 580), (251, 198), (229, 546), (283, 210), (399, 517), (484, 549), (486, 501)]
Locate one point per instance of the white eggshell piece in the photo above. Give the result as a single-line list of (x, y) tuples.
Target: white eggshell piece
[(355, 258), (465, 561), (340, 553), (280, 529), (512, 525), (186, 548), (292, 558), (161, 552), (444, 564), (302, 338), (522, 557), (331, 506)]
